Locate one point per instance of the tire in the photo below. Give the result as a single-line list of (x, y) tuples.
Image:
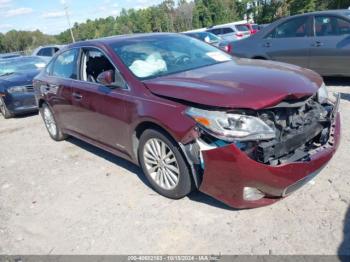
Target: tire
[(51, 123), (4, 110), (163, 179)]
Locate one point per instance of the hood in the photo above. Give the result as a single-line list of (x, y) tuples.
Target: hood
[(241, 83), (18, 78)]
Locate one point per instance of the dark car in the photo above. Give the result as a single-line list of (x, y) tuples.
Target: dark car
[(319, 41), (16, 89), (211, 39), (246, 132)]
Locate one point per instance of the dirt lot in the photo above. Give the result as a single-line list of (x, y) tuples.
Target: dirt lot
[(71, 198)]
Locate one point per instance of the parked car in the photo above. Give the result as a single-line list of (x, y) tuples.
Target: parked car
[(319, 41), (253, 28), (246, 132), (230, 32), (16, 89), (48, 51), (211, 39)]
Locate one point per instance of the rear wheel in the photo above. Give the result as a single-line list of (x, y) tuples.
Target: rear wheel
[(4, 110), (51, 124), (164, 165)]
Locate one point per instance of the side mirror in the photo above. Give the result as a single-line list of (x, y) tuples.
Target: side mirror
[(106, 78)]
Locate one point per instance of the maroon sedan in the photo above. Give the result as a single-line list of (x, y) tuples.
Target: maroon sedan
[(246, 132)]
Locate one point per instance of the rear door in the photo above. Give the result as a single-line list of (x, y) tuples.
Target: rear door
[(330, 51), (58, 87), (290, 41), (100, 110)]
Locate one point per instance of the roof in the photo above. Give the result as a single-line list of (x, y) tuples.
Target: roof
[(119, 38)]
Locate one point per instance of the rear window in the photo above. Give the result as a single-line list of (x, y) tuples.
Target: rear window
[(242, 28), (45, 52), (227, 30), (215, 31)]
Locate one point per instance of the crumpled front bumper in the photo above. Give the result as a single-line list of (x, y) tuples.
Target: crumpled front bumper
[(228, 171)]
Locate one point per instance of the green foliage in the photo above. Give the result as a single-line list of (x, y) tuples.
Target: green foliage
[(171, 16), (14, 40)]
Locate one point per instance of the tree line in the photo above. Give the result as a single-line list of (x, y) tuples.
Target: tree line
[(171, 16)]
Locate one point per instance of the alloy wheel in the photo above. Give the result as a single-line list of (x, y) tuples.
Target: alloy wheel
[(50, 121), (161, 164)]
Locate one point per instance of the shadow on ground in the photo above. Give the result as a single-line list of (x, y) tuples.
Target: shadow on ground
[(26, 115), (344, 248), (194, 196), (337, 81)]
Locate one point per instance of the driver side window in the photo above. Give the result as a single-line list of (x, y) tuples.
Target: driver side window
[(296, 27), (93, 63)]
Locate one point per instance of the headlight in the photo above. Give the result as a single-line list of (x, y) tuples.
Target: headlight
[(17, 89), (322, 94), (231, 127)]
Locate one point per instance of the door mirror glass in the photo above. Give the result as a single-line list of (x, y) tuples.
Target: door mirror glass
[(106, 78), (111, 79)]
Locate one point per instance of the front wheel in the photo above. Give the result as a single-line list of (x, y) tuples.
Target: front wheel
[(164, 165), (4, 110), (51, 123)]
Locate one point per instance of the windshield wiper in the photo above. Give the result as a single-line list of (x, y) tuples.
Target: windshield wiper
[(7, 74)]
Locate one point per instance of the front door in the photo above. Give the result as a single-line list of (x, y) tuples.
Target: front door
[(290, 42), (99, 110)]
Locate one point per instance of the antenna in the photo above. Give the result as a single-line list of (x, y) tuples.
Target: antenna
[(65, 6)]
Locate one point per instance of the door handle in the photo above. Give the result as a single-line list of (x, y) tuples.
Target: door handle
[(317, 44), (77, 96), (268, 44)]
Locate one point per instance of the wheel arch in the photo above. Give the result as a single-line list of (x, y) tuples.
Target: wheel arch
[(41, 101), (148, 124)]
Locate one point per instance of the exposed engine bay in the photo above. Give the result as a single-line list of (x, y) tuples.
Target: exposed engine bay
[(301, 126)]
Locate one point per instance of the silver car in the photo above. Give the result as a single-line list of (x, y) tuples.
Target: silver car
[(230, 32), (319, 41)]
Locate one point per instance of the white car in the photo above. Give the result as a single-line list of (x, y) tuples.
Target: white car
[(48, 51)]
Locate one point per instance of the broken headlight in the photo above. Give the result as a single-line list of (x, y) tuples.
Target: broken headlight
[(322, 94), (231, 127)]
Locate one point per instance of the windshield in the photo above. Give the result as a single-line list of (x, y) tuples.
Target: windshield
[(255, 27), (166, 54), (18, 64)]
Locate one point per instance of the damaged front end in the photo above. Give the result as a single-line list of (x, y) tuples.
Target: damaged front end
[(249, 158)]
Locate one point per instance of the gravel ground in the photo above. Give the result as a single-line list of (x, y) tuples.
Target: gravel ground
[(71, 198)]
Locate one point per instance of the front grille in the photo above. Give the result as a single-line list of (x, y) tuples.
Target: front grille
[(30, 88)]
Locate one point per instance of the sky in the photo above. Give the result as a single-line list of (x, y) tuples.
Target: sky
[(49, 17)]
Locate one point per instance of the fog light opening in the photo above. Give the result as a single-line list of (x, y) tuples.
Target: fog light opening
[(252, 194)]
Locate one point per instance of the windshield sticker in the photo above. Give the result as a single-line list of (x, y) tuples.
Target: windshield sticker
[(219, 56)]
